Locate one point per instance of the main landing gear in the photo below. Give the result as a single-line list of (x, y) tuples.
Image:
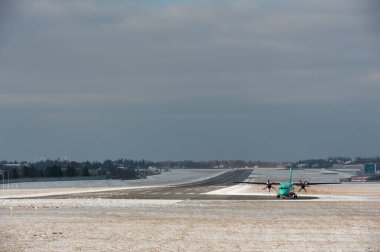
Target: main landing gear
[(293, 196)]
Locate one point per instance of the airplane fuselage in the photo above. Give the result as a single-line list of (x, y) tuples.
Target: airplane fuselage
[(286, 190)]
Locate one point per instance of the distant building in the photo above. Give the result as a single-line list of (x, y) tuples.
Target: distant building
[(19, 167), (370, 168), (354, 166), (219, 166), (301, 165), (95, 172), (153, 170)]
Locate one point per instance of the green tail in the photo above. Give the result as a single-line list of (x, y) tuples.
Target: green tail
[(290, 175)]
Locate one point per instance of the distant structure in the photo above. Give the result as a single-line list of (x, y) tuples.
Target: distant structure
[(17, 166), (153, 170), (370, 169)]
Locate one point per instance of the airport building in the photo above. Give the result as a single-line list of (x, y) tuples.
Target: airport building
[(12, 168), (370, 168)]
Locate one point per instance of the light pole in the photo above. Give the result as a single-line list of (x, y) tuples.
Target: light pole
[(2, 175)]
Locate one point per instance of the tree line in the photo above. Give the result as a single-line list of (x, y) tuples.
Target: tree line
[(127, 168)]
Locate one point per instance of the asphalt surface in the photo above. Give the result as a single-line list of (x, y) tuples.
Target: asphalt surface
[(187, 191)]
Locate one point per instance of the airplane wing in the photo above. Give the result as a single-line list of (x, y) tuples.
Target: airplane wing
[(256, 183), (303, 185), (316, 183)]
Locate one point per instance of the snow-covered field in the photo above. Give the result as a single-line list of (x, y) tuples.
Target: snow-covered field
[(155, 225), (345, 218), (339, 192), (37, 189)]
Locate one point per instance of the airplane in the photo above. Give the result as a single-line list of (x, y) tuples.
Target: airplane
[(286, 189)]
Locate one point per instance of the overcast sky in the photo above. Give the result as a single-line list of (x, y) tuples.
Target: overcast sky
[(201, 80)]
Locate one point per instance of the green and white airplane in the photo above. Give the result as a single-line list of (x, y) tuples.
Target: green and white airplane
[(286, 189)]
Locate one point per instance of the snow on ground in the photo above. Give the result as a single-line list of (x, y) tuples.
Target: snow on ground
[(339, 192), (335, 223), (193, 226), (172, 177), (38, 189), (88, 202)]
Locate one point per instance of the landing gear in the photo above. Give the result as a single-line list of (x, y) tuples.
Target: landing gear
[(278, 196), (293, 195)]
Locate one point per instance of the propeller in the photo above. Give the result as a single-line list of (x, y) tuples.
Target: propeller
[(269, 186), (303, 185)]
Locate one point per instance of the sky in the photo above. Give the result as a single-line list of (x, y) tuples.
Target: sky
[(189, 80)]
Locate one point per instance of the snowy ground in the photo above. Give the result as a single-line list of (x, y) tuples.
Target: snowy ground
[(339, 192), (37, 189), (172, 177), (156, 225), (345, 218)]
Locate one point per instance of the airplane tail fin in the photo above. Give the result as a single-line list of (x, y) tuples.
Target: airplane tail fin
[(290, 175)]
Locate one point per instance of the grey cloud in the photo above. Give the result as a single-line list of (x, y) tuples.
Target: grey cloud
[(246, 77)]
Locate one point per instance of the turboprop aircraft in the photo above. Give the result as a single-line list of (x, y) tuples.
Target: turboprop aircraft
[(285, 189)]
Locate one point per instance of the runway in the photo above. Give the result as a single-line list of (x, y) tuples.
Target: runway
[(188, 191)]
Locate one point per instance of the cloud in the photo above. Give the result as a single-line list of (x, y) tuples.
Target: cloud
[(239, 47), (212, 61), (72, 99)]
